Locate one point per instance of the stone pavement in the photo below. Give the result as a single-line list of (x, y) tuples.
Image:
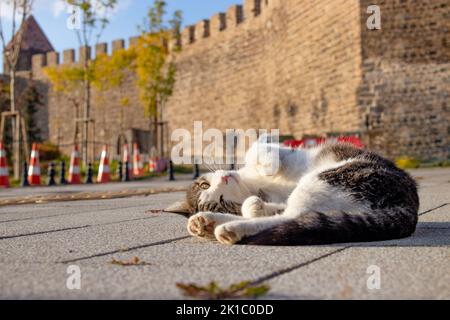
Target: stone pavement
[(39, 241), (181, 180)]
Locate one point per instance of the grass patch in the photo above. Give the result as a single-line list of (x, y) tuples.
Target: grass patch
[(436, 164), (213, 291), (183, 169), (413, 163), (14, 183), (407, 163)]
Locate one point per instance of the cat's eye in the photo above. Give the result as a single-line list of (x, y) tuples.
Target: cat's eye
[(204, 186)]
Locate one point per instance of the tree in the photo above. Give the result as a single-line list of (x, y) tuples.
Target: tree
[(5, 103), (105, 73), (149, 62), (154, 65), (113, 73), (94, 20), (68, 81), (11, 50), (29, 102)]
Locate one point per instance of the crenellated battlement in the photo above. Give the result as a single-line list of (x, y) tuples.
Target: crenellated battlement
[(223, 21), (202, 30), (72, 56)]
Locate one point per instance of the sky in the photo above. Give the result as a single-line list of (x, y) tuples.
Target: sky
[(52, 15)]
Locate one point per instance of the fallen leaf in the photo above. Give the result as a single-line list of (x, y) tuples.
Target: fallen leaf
[(213, 291), (154, 211), (133, 262)]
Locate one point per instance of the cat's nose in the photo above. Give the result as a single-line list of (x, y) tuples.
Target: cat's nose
[(225, 179)]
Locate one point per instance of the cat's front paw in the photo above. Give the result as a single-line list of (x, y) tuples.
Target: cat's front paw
[(253, 207), (226, 235), (201, 226)]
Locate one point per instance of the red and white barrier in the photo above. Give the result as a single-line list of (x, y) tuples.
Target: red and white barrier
[(103, 171), (74, 170), (138, 167), (4, 173), (34, 170)]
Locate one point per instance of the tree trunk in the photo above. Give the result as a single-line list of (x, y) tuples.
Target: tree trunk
[(15, 124), (155, 131), (87, 105), (161, 131)]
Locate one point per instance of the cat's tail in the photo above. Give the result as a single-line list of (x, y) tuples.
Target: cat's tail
[(337, 227)]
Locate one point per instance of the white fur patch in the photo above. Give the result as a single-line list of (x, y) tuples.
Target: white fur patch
[(314, 194)]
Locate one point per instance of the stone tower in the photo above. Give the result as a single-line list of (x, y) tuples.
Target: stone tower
[(34, 41)]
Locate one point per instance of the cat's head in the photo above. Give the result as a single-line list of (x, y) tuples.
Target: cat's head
[(220, 191)]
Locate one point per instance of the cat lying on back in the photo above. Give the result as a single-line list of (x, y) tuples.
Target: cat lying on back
[(329, 194)]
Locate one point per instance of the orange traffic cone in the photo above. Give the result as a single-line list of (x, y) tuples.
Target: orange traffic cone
[(126, 158), (103, 170), (74, 170), (34, 170), (4, 174), (138, 167)]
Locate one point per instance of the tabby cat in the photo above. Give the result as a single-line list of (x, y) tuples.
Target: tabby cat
[(329, 194)]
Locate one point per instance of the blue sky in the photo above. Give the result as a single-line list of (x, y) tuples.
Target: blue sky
[(52, 16)]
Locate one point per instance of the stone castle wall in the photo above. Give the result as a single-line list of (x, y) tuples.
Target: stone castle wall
[(305, 67), (292, 65), (406, 83)]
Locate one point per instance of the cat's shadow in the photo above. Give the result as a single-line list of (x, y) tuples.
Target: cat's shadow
[(428, 234)]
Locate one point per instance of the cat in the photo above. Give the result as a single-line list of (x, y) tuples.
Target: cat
[(332, 193)]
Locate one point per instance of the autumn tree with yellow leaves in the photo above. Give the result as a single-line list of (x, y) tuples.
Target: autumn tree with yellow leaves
[(112, 73), (150, 62), (68, 82)]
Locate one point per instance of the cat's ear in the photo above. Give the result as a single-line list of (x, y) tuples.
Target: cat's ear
[(180, 207)]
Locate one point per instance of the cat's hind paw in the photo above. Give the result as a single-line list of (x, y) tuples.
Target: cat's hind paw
[(226, 235), (253, 207), (200, 226)]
